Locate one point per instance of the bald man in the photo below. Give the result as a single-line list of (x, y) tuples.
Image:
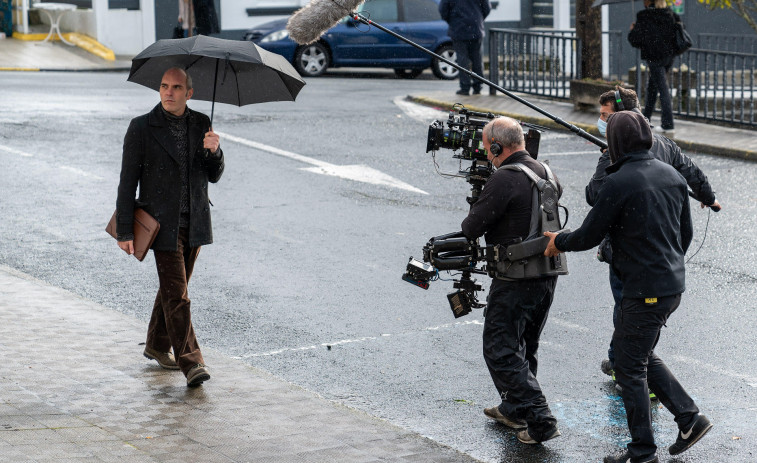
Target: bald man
[(171, 153)]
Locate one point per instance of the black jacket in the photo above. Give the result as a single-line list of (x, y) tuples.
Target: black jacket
[(668, 152), (503, 210), (465, 18), (654, 33), (150, 160), (644, 206)]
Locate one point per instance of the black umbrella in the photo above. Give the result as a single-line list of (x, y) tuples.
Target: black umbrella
[(228, 71)]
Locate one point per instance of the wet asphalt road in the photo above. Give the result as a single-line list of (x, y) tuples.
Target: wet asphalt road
[(303, 279)]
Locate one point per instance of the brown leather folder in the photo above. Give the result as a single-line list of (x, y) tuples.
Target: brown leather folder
[(145, 230)]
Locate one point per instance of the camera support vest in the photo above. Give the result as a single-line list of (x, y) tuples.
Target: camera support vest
[(526, 259)]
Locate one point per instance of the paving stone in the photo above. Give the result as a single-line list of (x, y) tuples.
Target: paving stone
[(100, 400)]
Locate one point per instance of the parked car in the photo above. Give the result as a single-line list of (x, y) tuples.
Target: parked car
[(353, 44)]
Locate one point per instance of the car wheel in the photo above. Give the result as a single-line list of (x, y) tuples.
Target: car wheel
[(312, 60), (408, 73), (441, 69)]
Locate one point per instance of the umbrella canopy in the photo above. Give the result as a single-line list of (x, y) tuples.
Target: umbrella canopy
[(229, 71)]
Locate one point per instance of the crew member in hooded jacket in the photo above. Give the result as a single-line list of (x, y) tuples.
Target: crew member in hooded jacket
[(644, 207)]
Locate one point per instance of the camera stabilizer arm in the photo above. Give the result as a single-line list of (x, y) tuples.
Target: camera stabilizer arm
[(453, 251)]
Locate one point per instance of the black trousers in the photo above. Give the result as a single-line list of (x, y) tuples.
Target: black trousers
[(637, 330), (469, 57), (658, 84), (514, 319)]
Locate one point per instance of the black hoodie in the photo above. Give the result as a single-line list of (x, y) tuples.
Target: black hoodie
[(644, 206)]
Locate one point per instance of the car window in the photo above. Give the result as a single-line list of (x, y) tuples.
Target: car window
[(420, 10), (380, 10)]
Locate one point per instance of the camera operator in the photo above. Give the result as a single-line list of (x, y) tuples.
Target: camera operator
[(517, 309), (663, 149), (644, 206)]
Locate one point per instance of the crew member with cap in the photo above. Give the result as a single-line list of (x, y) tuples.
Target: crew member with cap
[(644, 206)]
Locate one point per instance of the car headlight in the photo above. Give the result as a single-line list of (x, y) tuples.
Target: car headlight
[(275, 36)]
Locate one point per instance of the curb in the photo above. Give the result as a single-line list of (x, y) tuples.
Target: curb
[(82, 41), (746, 155)]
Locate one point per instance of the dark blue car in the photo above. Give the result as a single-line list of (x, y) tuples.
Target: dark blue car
[(353, 44)]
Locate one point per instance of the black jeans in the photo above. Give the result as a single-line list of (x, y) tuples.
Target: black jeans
[(616, 286), (469, 57), (515, 317), (658, 84), (637, 331)]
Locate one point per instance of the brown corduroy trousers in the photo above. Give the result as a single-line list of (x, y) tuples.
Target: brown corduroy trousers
[(171, 321)]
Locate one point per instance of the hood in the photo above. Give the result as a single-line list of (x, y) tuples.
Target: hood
[(627, 132)]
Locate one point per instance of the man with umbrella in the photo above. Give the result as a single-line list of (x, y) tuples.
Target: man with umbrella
[(171, 153)]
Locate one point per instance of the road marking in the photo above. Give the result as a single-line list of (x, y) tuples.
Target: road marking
[(66, 168), (15, 151), (329, 345), (358, 173), (750, 380), (419, 112), (80, 172)]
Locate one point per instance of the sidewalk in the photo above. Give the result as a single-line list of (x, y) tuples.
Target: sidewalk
[(75, 388), (25, 55), (690, 136)]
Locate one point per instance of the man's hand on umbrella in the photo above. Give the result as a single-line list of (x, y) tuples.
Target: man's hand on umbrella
[(211, 142)]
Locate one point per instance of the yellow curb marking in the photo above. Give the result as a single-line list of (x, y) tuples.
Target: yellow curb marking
[(80, 40)]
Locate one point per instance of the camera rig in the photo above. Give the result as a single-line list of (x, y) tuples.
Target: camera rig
[(463, 134)]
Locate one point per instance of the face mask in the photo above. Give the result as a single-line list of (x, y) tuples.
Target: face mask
[(602, 127)]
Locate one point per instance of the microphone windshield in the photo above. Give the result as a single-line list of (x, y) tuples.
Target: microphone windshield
[(309, 23)]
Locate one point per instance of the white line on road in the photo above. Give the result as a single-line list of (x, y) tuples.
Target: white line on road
[(74, 170), (751, 380), (358, 173), (419, 112), (329, 345), (15, 151)]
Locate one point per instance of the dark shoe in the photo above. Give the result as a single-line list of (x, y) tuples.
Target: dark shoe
[(461, 92), (495, 414), (526, 438), (692, 436), (197, 375), (476, 91), (164, 359), (625, 458), (608, 368)]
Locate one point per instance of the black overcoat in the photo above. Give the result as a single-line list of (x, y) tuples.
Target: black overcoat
[(150, 161)]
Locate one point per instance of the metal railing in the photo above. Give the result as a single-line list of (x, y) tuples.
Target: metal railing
[(539, 63), (544, 62), (716, 84)]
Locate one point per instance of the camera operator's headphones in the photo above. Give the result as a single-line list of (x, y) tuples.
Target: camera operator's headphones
[(618, 101), (495, 148)]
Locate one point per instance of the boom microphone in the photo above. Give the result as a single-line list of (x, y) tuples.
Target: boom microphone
[(309, 23)]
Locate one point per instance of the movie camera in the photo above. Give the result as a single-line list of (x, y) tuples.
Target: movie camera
[(463, 133)]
